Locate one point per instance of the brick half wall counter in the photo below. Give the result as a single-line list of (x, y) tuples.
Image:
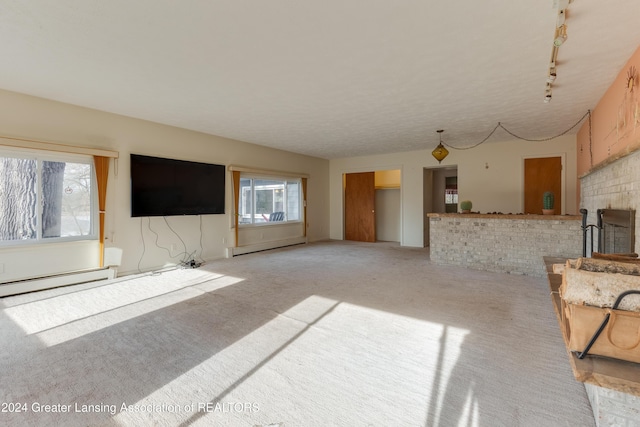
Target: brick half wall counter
[(513, 244)]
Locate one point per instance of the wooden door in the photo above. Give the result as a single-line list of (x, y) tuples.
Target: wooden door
[(359, 207), (540, 175)]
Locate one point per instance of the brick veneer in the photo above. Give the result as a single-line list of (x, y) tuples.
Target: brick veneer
[(512, 244), (612, 408), (614, 186)]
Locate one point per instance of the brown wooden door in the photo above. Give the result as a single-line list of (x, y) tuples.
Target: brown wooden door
[(540, 175), (359, 207)]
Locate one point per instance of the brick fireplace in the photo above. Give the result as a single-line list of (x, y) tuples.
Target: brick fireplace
[(614, 188), (617, 233)]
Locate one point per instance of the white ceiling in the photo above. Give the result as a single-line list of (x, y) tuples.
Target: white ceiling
[(329, 78)]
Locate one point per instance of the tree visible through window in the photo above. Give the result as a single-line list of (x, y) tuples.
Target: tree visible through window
[(43, 199)]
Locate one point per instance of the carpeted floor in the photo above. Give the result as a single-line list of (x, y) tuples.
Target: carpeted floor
[(324, 334)]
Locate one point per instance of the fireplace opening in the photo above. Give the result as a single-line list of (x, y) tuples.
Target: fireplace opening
[(616, 231)]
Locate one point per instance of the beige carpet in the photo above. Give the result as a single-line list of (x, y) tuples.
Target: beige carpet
[(325, 334)]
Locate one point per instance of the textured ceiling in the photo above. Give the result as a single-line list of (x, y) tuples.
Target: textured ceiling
[(329, 78)]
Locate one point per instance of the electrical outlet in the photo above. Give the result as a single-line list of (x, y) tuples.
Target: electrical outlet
[(224, 240), (173, 247)]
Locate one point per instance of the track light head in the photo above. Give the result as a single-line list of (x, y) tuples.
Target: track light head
[(561, 36)]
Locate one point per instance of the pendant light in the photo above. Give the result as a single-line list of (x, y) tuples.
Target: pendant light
[(440, 151)]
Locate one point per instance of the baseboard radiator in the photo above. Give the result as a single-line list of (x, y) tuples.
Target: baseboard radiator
[(241, 250), (40, 283)]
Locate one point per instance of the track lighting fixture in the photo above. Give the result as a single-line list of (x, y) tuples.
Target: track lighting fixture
[(561, 4), (561, 36), (560, 19), (547, 94)]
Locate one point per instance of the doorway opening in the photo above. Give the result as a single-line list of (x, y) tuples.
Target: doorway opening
[(440, 193), (372, 206)]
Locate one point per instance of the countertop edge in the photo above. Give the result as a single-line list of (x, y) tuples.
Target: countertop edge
[(507, 216)]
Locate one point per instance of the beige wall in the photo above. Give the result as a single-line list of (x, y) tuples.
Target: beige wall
[(497, 188), (24, 116)]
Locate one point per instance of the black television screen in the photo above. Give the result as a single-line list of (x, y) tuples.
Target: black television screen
[(165, 187)]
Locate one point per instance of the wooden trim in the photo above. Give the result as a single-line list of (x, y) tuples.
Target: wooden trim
[(534, 217), (236, 202), (625, 152), (270, 172), (53, 146), (304, 206)]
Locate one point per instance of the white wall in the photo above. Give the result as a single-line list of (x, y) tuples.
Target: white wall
[(498, 188), (28, 117)]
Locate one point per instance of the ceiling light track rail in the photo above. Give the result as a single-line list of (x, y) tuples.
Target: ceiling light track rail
[(559, 37)]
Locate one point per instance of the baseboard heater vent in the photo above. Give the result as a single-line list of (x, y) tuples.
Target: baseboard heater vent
[(40, 283), (241, 250)]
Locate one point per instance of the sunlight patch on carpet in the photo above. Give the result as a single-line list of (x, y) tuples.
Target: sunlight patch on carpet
[(68, 316), (319, 350), (221, 374)]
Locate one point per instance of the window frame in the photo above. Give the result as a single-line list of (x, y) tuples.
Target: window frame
[(268, 177), (41, 156)]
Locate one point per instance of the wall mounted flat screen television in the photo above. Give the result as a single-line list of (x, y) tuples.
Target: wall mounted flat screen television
[(166, 187)]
